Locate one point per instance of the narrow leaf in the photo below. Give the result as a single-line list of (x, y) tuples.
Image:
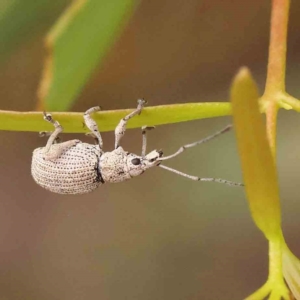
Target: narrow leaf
[(291, 271), (258, 166), (76, 45), (107, 120)]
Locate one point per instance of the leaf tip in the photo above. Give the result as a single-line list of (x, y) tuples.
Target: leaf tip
[(243, 72), (243, 85), (243, 75)]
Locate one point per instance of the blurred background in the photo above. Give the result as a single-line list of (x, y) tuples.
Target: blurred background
[(158, 236)]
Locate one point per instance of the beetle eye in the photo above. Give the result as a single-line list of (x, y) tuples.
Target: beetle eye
[(136, 161)]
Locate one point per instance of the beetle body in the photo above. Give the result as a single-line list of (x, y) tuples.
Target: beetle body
[(74, 171), (74, 167), (82, 168)]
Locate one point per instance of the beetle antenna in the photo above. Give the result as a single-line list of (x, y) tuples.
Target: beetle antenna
[(207, 139), (218, 180)]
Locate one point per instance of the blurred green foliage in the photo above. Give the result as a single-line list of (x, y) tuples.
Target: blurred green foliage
[(77, 44), (21, 20)]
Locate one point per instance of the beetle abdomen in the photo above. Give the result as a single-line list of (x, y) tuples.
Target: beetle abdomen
[(74, 171)]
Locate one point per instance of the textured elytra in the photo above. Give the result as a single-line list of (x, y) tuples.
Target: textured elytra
[(74, 171)]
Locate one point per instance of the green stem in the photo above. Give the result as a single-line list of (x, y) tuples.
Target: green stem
[(107, 120), (261, 293), (289, 102), (275, 265), (279, 288)]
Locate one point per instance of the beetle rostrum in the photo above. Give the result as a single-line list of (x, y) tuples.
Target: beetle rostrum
[(74, 167)]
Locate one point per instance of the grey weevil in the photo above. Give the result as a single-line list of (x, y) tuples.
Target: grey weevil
[(74, 167)]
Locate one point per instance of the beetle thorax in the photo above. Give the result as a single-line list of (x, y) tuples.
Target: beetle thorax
[(119, 165)]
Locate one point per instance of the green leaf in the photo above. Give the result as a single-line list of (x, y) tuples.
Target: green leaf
[(107, 120), (259, 171), (77, 44)]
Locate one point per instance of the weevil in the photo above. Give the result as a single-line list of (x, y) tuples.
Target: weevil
[(74, 167)]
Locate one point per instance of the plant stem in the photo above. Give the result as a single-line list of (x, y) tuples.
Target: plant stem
[(271, 124), (275, 265), (289, 102), (261, 293), (279, 288), (277, 49), (107, 120), (275, 84)]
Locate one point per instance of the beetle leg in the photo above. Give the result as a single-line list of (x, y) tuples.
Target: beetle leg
[(51, 151), (121, 128), (92, 125), (54, 135), (91, 135), (56, 150), (144, 134), (48, 133)]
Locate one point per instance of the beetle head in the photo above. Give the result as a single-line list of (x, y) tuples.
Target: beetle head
[(138, 164)]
